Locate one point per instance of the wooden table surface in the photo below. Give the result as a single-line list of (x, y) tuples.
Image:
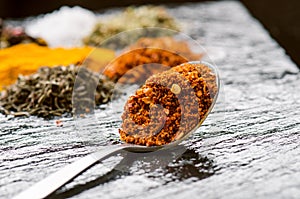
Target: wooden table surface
[(247, 148)]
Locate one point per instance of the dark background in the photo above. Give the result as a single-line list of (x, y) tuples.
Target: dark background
[(280, 18)]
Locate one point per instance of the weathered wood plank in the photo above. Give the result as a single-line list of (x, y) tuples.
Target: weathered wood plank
[(248, 147)]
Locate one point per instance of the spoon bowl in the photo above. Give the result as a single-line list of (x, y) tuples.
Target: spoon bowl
[(170, 105)]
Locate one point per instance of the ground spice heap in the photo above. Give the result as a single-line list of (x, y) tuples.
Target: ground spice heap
[(25, 59), (169, 105), (149, 56), (49, 92)]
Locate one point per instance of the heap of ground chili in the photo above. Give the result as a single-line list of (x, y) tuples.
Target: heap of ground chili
[(169, 105), (149, 56)]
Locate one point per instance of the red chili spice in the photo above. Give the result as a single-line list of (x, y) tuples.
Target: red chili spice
[(59, 123), (149, 56), (169, 105)]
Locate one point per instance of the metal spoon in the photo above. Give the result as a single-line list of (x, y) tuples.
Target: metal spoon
[(58, 179)]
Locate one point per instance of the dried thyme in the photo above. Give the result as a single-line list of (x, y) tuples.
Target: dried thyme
[(49, 92)]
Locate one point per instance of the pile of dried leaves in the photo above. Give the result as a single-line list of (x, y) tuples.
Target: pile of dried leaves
[(53, 91)]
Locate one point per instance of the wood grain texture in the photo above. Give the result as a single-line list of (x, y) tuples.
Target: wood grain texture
[(248, 147)]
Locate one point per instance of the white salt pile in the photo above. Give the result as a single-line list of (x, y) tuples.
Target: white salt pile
[(64, 27)]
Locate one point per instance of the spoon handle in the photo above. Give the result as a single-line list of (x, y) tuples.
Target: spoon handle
[(58, 179)]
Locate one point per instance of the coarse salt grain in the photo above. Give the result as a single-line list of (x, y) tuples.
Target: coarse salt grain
[(64, 27)]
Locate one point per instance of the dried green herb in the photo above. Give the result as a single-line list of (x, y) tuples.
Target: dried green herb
[(132, 18), (49, 92)]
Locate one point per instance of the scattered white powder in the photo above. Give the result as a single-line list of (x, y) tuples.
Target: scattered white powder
[(64, 27)]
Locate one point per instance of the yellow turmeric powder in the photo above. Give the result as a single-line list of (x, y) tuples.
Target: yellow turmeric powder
[(27, 58)]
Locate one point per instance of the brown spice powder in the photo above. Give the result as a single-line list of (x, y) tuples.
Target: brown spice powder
[(168, 105)]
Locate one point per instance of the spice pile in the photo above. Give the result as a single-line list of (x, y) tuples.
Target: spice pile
[(169, 105), (10, 36), (49, 92), (149, 56), (64, 27), (132, 18), (25, 59)]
